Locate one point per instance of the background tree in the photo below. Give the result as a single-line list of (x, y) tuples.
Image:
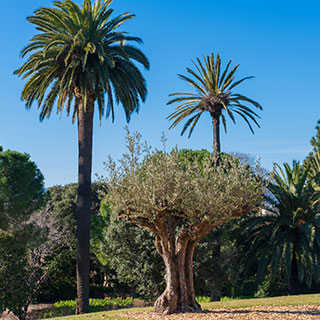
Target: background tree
[(180, 204), (214, 95), (60, 217), (134, 258), (77, 57), (21, 188), (285, 238), (21, 269), (215, 274), (17, 277)]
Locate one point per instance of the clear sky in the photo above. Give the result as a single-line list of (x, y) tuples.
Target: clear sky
[(276, 41)]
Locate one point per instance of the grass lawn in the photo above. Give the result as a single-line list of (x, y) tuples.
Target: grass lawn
[(309, 299), (306, 299)]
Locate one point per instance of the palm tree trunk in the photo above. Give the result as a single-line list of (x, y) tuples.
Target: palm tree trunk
[(215, 294), (294, 278), (85, 128), (216, 138)]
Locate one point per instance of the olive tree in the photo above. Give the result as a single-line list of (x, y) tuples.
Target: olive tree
[(180, 203)]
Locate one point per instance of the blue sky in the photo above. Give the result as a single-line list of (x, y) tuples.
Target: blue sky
[(276, 41)]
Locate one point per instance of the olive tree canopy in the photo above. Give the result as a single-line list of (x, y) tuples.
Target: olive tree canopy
[(180, 202)]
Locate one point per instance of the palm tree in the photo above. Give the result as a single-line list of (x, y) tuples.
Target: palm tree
[(287, 236), (313, 160), (76, 59), (213, 94)]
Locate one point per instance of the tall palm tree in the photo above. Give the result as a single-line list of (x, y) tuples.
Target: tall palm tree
[(214, 94), (287, 237), (77, 58)]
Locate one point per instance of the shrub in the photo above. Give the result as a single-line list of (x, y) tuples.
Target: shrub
[(68, 307)]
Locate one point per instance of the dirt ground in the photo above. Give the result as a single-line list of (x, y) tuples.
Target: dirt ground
[(309, 312), (254, 313), (33, 311)]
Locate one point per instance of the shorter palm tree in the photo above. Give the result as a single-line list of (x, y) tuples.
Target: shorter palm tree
[(287, 236), (214, 94)]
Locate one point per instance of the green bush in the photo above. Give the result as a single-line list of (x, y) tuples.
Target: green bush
[(203, 299), (68, 307)]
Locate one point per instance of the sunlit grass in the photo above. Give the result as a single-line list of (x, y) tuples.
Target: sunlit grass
[(308, 299)]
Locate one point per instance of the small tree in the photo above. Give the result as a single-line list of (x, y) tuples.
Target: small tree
[(180, 203)]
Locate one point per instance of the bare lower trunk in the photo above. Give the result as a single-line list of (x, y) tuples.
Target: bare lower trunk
[(189, 272), (85, 127), (294, 285), (216, 138), (179, 295)]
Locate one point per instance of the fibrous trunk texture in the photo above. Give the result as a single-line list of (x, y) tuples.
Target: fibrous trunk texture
[(216, 138), (294, 285), (85, 127)]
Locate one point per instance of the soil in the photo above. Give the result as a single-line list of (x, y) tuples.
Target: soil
[(303, 312), (34, 311), (309, 312)]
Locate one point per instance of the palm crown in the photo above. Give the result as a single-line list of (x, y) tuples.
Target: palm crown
[(79, 53), (213, 94), (287, 237)]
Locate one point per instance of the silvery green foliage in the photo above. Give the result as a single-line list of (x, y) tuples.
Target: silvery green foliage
[(148, 183)]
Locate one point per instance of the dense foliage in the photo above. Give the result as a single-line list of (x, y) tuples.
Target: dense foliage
[(134, 258), (21, 188), (61, 208), (68, 307), (195, 193), (21, 238), (286, 237), (80, 55)]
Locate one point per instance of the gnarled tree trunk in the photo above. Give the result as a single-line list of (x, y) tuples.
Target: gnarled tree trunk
[(179, 295), (177, 254)]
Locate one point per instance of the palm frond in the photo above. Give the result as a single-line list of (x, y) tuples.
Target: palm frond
[(80, 49), (213, 94)]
